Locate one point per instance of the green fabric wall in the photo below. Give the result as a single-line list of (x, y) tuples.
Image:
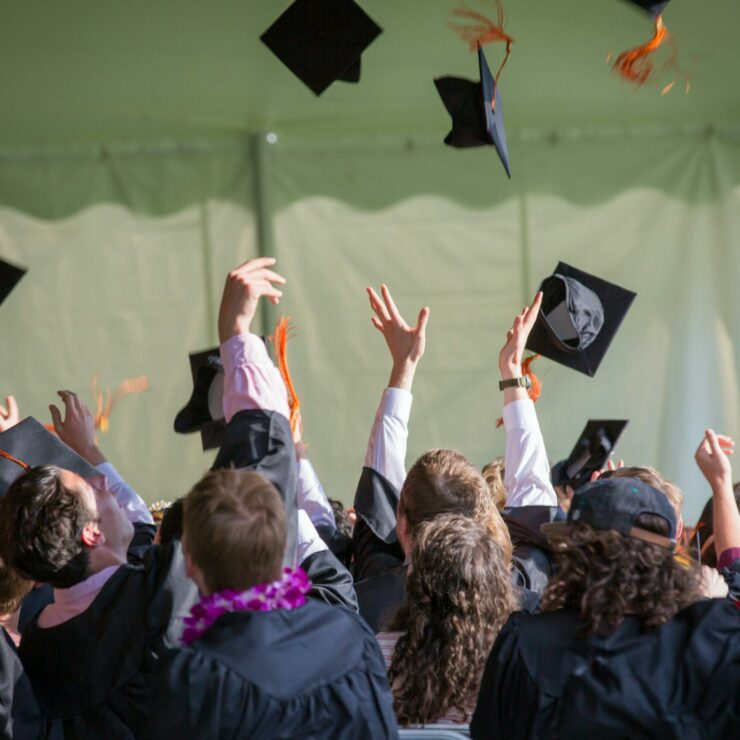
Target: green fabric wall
[(135, 171), (121, 294)]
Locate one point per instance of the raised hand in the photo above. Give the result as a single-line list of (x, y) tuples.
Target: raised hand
[(713, 461), (245, 285), (9, 415), (406, 344), (510, 357), (77, 430)]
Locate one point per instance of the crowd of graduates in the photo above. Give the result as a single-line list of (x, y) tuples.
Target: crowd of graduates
[(513, 602)]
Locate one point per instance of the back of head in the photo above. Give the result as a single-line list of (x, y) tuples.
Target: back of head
[(444, 482), (234, 529), (41, 524), (614, 558), (493, 474), (459, 594)]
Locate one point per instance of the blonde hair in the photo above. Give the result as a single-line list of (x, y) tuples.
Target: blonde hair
[(234, 529)]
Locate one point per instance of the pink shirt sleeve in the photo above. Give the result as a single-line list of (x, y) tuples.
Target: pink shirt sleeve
[(251, 380)]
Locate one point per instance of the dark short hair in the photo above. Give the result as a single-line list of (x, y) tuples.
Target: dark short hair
[(170, 528), (235, 529), (41, 523)]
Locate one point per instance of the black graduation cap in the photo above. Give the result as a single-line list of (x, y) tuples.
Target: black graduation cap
[(30, 444), (321, 41), (9, 276), (204, 411), (474, 123), (578, 319), (592, 450), (653, 7)]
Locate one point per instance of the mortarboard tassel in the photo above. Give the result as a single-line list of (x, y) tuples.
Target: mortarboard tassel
[(635, 65), (280, 342), (535, 390), (126, 388), (15, 460), (484, 31)]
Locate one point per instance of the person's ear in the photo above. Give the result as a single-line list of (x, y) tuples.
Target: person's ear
[(403, 532), (92, 536), (679, 528), (194, 573)]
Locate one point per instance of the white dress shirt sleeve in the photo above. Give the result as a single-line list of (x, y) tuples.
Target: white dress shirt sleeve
[(526, 469), (308, 541), (130, 501), (386, 449), (312, 498)]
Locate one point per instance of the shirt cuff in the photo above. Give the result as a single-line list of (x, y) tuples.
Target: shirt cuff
[(728, 557), (520, 414), (396, 402)]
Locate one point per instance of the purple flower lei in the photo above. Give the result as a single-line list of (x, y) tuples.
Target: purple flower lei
[(289, 592)]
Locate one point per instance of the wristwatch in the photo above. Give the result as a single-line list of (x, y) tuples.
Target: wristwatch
[(522, 382)]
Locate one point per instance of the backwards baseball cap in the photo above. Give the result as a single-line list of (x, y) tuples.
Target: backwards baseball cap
[(615, 504)]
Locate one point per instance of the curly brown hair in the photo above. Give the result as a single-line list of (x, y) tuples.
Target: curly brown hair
[(607, 576), (458, 596), (444, 482)]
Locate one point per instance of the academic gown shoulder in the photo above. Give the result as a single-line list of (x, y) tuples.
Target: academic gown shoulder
[(312, 672), (681, 680), (93, 672), (20, 715)]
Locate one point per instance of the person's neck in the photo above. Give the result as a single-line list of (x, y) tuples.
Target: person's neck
[(10, 623), (102, 558)]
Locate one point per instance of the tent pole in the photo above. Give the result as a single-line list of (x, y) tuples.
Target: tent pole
[(259, 155), (525, 249)]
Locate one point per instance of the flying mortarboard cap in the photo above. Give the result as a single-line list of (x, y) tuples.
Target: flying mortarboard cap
[(474, 122), (653, 7), (31, 444), (204, 411), (592, 450), (579, 317), (9, 276), (321, 41)]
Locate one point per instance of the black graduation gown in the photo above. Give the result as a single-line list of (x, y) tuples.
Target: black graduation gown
[(313, 672), (262, 441), (681, 680), (93, 672), (20, 715), (533, 559)]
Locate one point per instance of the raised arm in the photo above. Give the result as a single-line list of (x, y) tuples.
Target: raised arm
[(526, 468), (713, 461), (384, 471), (77, 430)]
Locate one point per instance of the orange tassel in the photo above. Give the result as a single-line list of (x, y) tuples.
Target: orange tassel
[(8, 456), (280, 342), (634, 65), (484, 31), (535, 390), (126, 388)]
